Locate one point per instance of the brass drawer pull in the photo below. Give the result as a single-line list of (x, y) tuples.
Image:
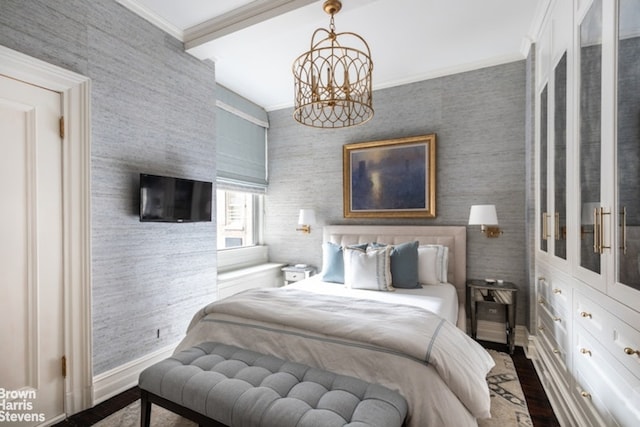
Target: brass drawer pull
[(541, 301), (585, 395), (631, 352), (556, 351), (557, 291), (557, 319), (586, 315), (585, 351), (540, 328)]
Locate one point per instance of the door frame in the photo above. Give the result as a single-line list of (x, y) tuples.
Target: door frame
[(76, 202)]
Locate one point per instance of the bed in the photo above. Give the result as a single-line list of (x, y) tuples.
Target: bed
[(410, 340)]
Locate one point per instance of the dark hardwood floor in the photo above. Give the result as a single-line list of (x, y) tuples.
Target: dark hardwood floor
[(541, 412), (539, 407)]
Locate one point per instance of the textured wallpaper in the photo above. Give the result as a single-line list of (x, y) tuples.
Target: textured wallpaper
[(479, 119), (153, 110)]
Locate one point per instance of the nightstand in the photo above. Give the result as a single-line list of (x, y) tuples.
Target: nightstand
[(295, 274), (505, 293)]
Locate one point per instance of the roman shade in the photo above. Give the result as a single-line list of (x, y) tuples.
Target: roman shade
[(241, 143)]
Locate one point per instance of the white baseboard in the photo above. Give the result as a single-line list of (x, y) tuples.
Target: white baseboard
[(495, 332), (122, 378)]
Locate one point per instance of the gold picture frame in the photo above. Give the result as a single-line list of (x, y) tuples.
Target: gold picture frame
[(393, 178)]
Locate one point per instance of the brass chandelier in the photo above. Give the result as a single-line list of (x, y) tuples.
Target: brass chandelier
[(332, 80)]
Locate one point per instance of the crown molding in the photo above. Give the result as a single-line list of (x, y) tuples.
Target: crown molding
[(153, 18)]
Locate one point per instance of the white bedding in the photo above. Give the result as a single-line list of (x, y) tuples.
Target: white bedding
[(440, 299), (435, 366)]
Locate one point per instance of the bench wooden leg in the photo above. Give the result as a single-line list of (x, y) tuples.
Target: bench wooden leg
[(147, 398), (145, 408)]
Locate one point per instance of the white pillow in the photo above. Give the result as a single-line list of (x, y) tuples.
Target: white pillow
[(427, 265), (442, 262), (370, 269)]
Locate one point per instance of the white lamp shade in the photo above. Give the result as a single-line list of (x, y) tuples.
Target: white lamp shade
[(307, 217), (483, 215)]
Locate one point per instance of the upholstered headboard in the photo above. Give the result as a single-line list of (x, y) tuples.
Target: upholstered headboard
[(454, 237)]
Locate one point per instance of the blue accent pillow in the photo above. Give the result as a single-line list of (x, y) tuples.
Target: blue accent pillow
[(404, 265), (333, 262)]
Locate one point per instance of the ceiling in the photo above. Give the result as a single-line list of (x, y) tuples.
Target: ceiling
[(254, 42)]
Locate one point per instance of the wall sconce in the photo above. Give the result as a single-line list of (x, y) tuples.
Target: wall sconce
[(306, 219), (487, 218)]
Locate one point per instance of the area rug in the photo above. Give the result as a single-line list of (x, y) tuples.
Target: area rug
[(508, 406)]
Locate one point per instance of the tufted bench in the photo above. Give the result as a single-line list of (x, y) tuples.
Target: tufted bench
[(221, 385)]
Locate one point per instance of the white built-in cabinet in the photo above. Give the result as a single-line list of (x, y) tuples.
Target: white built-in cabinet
[(587, 303)]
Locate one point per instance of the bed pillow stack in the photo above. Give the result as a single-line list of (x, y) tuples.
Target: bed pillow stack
[(384, 267)]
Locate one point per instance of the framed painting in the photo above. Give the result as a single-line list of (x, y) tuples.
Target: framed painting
[(394, 178)]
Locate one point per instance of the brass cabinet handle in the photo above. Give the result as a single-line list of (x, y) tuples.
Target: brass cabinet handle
[(586, 315), (585, 395), (631, 352), (623, 230), (585, 351), (540, 328), (541, 278), (557, 319), (598, 230), (545, 227), (557, 291), (556, 351), (541, 301)]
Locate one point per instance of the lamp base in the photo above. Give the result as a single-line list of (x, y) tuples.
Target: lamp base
[(304, 228), (491, 231)]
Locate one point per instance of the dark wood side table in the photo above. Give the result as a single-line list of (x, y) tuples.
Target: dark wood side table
[(504, 293)]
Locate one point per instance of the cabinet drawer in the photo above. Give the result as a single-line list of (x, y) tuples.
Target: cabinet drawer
[(294, 276), (555, 353), (555, 293), (593, 318), (616, 335), (555, 325), (603, 385)]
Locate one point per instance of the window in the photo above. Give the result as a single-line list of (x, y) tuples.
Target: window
[(238, 218)]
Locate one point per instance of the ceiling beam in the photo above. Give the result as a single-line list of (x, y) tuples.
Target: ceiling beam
[(237, 19)]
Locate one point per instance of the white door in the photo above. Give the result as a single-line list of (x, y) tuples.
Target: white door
[(31, 269)]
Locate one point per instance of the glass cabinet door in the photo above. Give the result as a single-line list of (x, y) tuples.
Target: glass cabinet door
[(544, 209), (628, 143), (590, 136), (560, 158)]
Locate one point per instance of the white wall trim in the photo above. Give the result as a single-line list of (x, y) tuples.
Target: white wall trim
[(153, 18), (75, 90), (122, 378), (242, 114)]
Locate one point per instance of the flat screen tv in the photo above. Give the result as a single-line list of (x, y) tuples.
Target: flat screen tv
[(168, 199)]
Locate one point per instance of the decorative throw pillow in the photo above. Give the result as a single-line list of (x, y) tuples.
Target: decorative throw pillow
[(404, 265), (442, 262), (333, 262), (427, 270), (370, 269)]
